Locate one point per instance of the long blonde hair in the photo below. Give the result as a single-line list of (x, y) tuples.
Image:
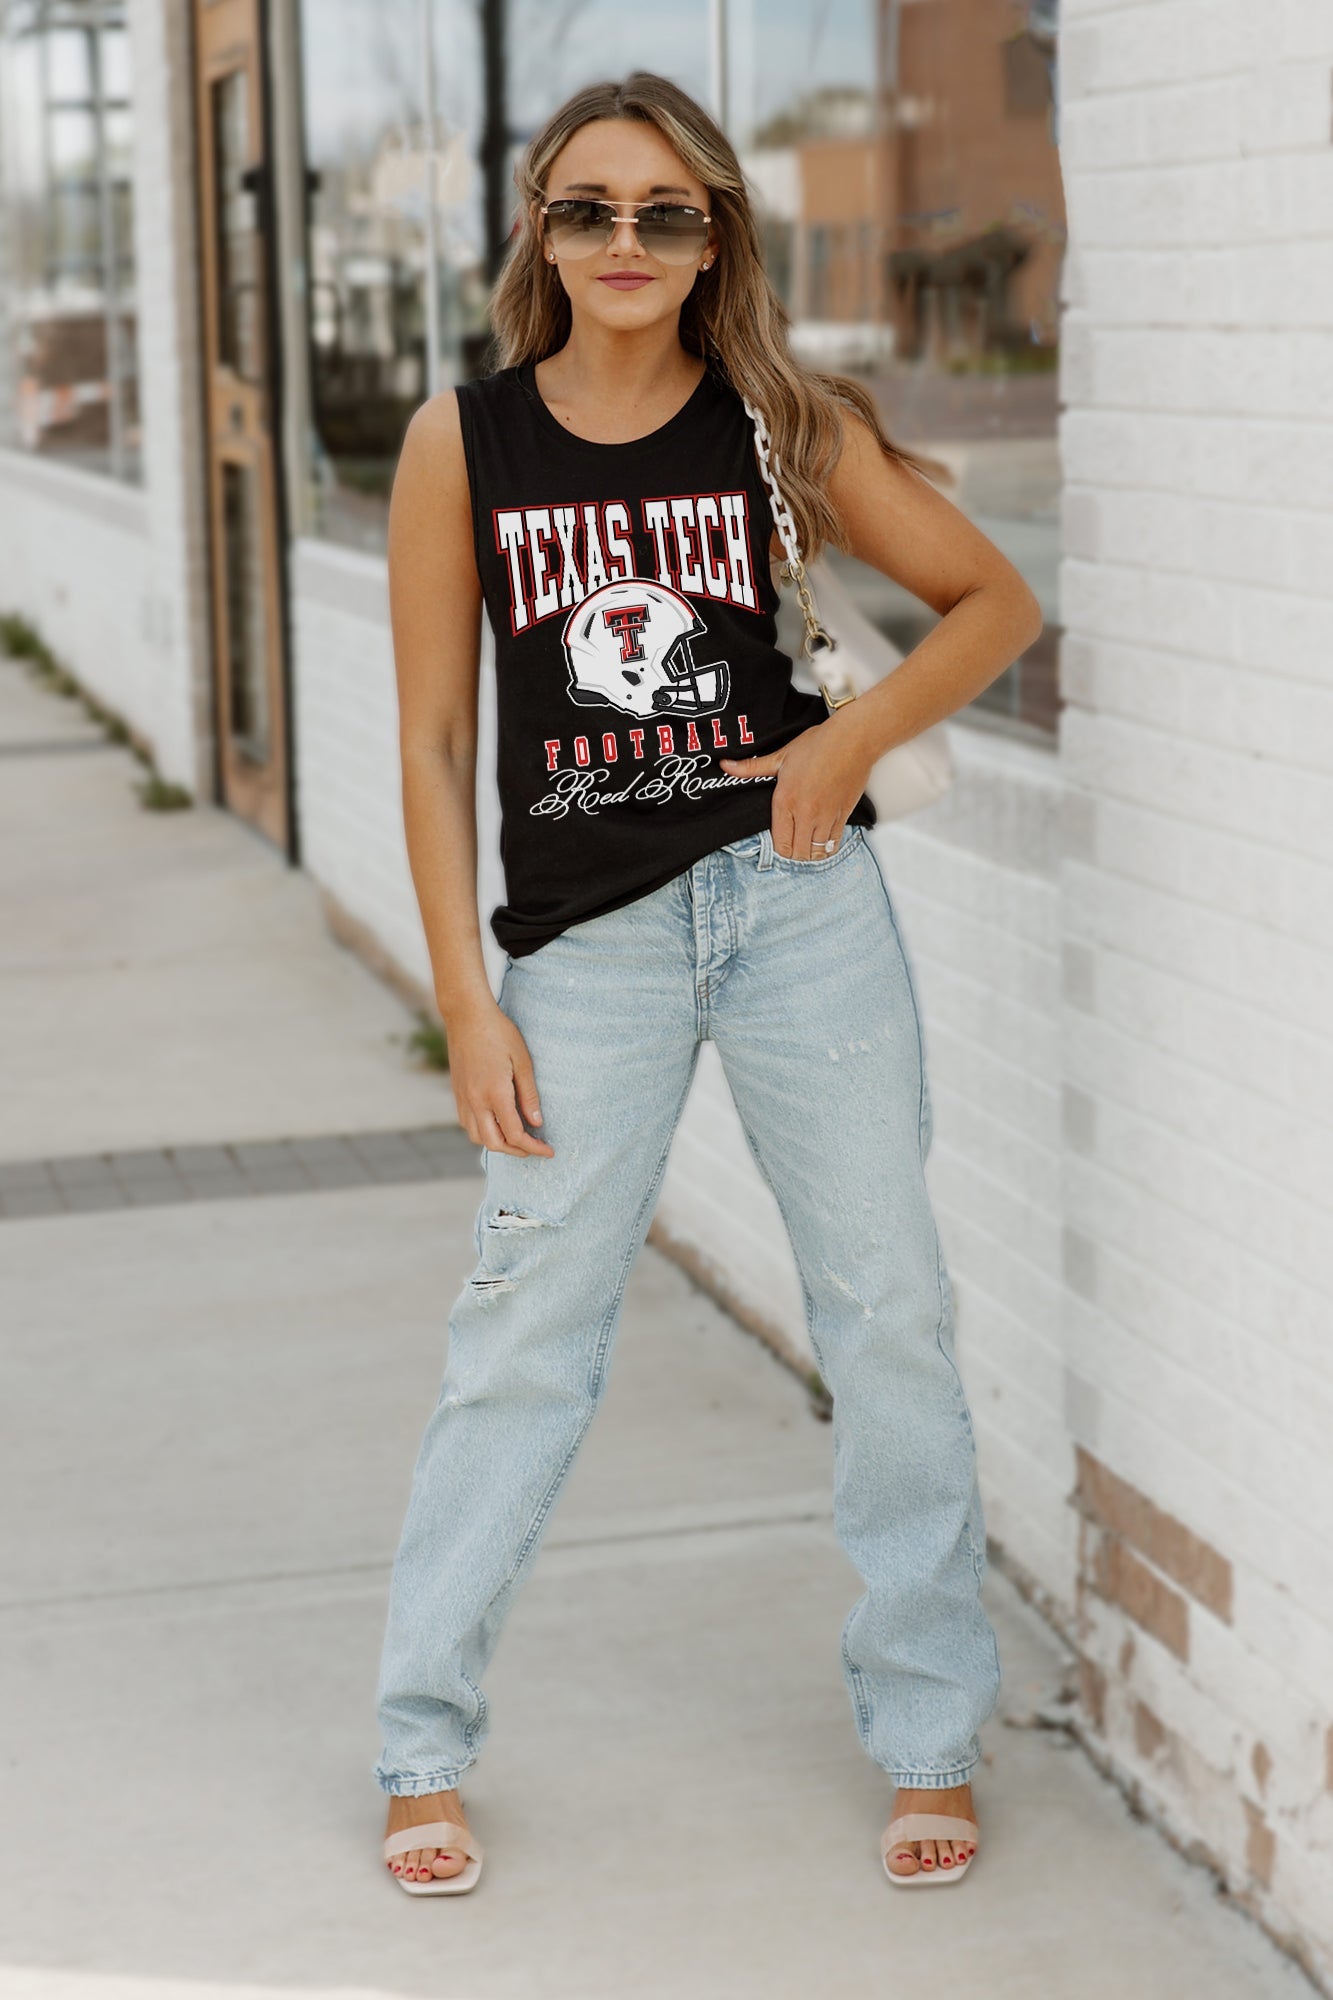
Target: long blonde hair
[(733, 318)]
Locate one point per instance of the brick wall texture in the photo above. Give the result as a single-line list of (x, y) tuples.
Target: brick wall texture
[(1195, 920)]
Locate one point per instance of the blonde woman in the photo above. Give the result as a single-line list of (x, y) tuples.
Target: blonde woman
[(685, 857)]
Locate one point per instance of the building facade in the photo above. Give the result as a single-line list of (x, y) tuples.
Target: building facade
[(242, 240)]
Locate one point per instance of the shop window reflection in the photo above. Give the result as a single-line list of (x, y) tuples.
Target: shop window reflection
[(915, 227), (70, 323), (366, 256), (903, 156)]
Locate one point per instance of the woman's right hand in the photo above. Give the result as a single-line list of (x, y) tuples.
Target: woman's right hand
[(495, 1088)]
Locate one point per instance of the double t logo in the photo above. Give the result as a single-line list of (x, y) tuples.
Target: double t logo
[(627, 621)]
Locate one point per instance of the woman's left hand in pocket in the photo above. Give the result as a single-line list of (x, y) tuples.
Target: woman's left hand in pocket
[(820, 776)]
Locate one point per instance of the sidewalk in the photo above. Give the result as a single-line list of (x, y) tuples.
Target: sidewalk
[(214, 1399)]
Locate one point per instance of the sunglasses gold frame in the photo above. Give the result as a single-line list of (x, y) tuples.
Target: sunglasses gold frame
[(625, 211)]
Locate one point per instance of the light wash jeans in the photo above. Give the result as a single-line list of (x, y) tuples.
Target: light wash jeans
[(797, 971)]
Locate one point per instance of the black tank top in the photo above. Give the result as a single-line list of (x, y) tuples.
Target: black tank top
[(629, 592)]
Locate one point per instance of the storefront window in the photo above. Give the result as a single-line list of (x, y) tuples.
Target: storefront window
[(70, 333), (397, 287), (915, 225), (366, 255), (903, 154)]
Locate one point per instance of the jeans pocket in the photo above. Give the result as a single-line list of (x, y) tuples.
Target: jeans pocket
[(852, 838)]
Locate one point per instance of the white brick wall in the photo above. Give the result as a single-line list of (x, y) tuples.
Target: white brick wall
[(1196, 891), (348, 782), (975, 878), (95, 615)]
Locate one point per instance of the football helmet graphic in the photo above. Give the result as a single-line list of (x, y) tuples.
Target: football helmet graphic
[(628, 646)]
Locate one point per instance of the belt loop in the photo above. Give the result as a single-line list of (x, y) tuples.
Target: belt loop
[(765, 847)]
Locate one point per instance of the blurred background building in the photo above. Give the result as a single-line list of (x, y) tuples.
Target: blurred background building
[(242, 239)]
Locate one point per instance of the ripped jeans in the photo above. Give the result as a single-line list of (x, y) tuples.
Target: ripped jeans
[(797, 972)]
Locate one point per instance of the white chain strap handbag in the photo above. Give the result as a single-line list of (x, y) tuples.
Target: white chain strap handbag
[(911, 774)]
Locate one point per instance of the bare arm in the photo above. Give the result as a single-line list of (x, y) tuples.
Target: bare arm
[(896, 521), (435, 605)]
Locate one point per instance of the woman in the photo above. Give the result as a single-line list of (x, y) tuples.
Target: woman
[(685, 857)]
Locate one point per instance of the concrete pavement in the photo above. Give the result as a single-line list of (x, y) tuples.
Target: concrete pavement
[(163, 977), (212, 1407)]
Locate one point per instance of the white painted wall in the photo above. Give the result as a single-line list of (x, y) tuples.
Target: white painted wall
[(1196, 900), (975, 883), (76, 559), (348, 783)]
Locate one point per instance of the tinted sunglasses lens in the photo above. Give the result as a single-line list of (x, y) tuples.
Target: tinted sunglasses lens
[(675, 235), (577, 228)]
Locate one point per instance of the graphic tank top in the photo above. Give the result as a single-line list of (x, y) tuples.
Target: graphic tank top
[(629, 592)]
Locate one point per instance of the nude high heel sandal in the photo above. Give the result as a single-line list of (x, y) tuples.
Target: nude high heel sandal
[(927, 1826)]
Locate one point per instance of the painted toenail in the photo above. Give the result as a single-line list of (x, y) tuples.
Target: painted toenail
[(946, 1863)]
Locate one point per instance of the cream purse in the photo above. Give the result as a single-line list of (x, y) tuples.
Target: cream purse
[(912, 774)]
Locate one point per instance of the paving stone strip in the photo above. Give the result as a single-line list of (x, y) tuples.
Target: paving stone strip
[(155, 1176)]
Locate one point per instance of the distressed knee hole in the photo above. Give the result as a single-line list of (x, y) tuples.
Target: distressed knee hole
[(504, 1224), (486, 1282)]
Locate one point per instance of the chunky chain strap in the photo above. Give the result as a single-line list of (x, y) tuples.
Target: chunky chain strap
[(912, 774), (817, 640)]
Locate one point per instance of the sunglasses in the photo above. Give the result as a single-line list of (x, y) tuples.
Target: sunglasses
[(670, 232)]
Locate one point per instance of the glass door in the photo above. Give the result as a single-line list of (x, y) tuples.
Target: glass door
[(251, 715)]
